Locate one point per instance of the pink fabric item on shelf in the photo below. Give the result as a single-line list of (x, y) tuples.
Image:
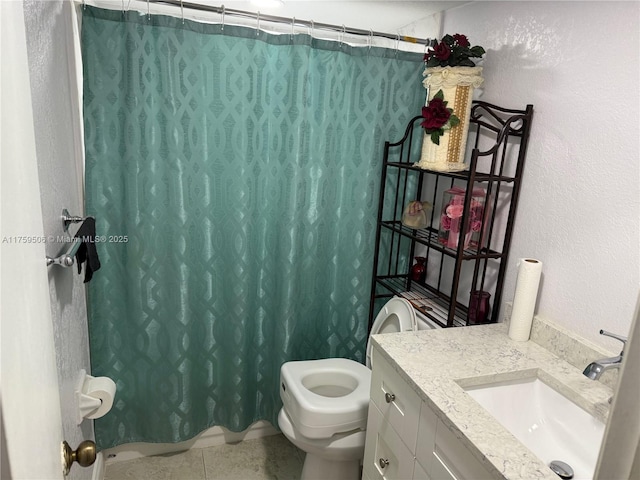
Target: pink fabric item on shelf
[(452, 213)]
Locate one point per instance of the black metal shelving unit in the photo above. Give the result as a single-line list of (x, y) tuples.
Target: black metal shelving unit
[(498, 139)]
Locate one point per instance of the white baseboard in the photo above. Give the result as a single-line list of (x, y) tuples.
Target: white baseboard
[(209, 438)]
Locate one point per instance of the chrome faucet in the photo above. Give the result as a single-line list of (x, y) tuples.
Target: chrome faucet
[(595, 369)]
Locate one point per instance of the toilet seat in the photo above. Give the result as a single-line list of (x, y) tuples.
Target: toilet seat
[(330, 396), (307, 389), (397, 315)]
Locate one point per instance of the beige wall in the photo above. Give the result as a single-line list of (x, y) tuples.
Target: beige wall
[(579, 210)]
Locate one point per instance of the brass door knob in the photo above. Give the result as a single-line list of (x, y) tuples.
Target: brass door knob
[(85, 455)]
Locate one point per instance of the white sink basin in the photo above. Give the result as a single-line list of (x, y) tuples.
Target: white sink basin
[(550, 425)]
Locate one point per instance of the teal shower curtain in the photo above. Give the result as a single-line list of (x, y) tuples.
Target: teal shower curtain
[(234, 178)]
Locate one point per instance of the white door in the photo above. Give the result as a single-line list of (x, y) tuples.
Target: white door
[(31, 421)]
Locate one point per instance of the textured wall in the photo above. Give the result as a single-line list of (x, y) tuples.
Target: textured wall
[(52, 89), (578, 63)]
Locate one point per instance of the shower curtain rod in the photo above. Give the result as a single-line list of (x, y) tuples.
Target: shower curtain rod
[(293, 21)]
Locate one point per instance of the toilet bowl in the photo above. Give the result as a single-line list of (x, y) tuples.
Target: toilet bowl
[(337, 457), (325, 402)]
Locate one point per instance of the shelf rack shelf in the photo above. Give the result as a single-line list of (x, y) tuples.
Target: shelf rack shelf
[(498, 139)]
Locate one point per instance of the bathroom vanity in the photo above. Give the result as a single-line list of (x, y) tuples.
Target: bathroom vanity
[(423, 424)]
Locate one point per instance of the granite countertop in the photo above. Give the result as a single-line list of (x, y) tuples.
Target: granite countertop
[(439, 363)]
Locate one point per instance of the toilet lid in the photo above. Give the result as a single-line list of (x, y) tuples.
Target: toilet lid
[(397, 315)]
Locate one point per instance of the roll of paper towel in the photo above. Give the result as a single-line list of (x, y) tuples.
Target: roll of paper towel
[(102, 389), (524, 300)]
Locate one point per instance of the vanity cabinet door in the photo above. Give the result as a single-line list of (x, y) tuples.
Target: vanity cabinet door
[(420, 473), (440, 471), (427, 425), (398, 402), (441, 454), (386, 456), (452, 460)]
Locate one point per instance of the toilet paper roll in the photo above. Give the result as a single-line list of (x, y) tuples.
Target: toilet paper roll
[(524, 300), (103, 389)]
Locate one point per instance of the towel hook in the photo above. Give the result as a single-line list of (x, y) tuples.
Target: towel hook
[(68, 219)]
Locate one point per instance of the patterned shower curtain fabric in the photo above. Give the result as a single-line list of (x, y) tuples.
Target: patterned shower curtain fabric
[(236, 174)]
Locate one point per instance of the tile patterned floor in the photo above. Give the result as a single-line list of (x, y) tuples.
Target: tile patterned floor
[(267, 458)]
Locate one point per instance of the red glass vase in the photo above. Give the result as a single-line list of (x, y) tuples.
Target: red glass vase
[(419, 270), (479, 307)]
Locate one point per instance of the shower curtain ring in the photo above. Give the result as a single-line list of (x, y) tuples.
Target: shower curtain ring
[(344, 31), (313, 26), (293, 22), (182, 11), (258, 24), (148, 11), (222, 29), (397, 43), (370, 38)]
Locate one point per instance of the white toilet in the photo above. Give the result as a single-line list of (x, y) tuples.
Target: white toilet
[(325, 402)]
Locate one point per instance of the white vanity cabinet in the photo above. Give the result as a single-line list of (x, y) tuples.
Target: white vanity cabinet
[(405, 438)]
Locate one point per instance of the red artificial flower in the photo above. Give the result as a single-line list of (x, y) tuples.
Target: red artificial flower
[(436, 117), (453, 51), (441, 51), (436, 114), (461, 40)]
